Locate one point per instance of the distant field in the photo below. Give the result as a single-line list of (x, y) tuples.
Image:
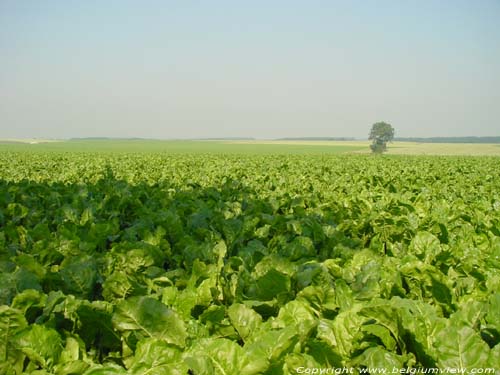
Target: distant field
[(186, 146), (27, 140), (395, 148), (247, 147), (410, 148)]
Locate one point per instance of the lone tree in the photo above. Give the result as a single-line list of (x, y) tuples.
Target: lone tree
[(380, 134)]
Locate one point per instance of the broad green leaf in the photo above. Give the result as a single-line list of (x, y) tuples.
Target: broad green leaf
[(222, 357), (469, 313), (320, 298), (95, 326), (343, 295), (78, 277), (425, 246), (379, 358), (299, 315), (120, 285), (493, 312), (73, 367), (245, 320), (383, 333), (323, 353), (110, 369), (7, 287), (30, 302), (366, 285), (155, 356), (26, 280), (421, 324), (150, 318), (40, 344), (426, 282), (270, 285), (342, 333), (299, 362), (12, 322), (460, 347), (300, 247), (271, 344), (494, 358)]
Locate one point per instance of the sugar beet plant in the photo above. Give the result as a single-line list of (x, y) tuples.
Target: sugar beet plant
[(217, 264)]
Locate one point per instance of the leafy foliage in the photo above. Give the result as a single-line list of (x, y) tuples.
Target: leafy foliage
[(180, 264), (380, 134)]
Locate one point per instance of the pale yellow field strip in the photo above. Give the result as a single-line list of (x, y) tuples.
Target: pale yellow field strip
[(29, 140), (396, 148), (407, 148)]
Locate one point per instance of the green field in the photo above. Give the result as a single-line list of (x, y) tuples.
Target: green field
[(246, 147), (191, 257), (182, 146)]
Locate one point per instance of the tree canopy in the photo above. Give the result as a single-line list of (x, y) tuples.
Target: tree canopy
[(380, 134)]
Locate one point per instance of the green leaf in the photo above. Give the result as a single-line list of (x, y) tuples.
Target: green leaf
[(30, 302), (7, 287), (469, 313), (300, 247), (73, 349), (120, 285), (298, 362), (149, 318), (383, 333), (493, 315), (299, 315), (342, 333), (26, 280), (155, 356), (222, 357), (41, 345), (378, 358), (494, 358), (16, 211), (425, 246), (366, 285), (245, 320), (106, 370), (320, 298), (71, 368), (272, 345), (421, 324), (323, 353), (213, 315), (460, 347), (73, 359), (270, 285), (95, 326), (79, 276), (12, 322)]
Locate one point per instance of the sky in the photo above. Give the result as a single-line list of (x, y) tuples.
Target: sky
[(264, 69)]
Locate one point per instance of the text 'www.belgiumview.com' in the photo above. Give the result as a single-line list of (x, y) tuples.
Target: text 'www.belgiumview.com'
[(395, 370)]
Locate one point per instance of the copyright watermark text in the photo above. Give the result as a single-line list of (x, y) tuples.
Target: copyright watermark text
[(395, 370)]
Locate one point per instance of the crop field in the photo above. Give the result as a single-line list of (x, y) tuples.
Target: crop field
[(238, 262), (185, 146), (250, 147)]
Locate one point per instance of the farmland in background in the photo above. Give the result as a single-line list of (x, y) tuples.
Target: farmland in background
[(247, 146), (244, 257), (183, 146)]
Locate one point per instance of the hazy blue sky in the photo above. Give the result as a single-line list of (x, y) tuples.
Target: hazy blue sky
[(174, 69)]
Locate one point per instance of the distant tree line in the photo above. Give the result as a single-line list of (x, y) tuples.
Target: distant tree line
[(450, 139)]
